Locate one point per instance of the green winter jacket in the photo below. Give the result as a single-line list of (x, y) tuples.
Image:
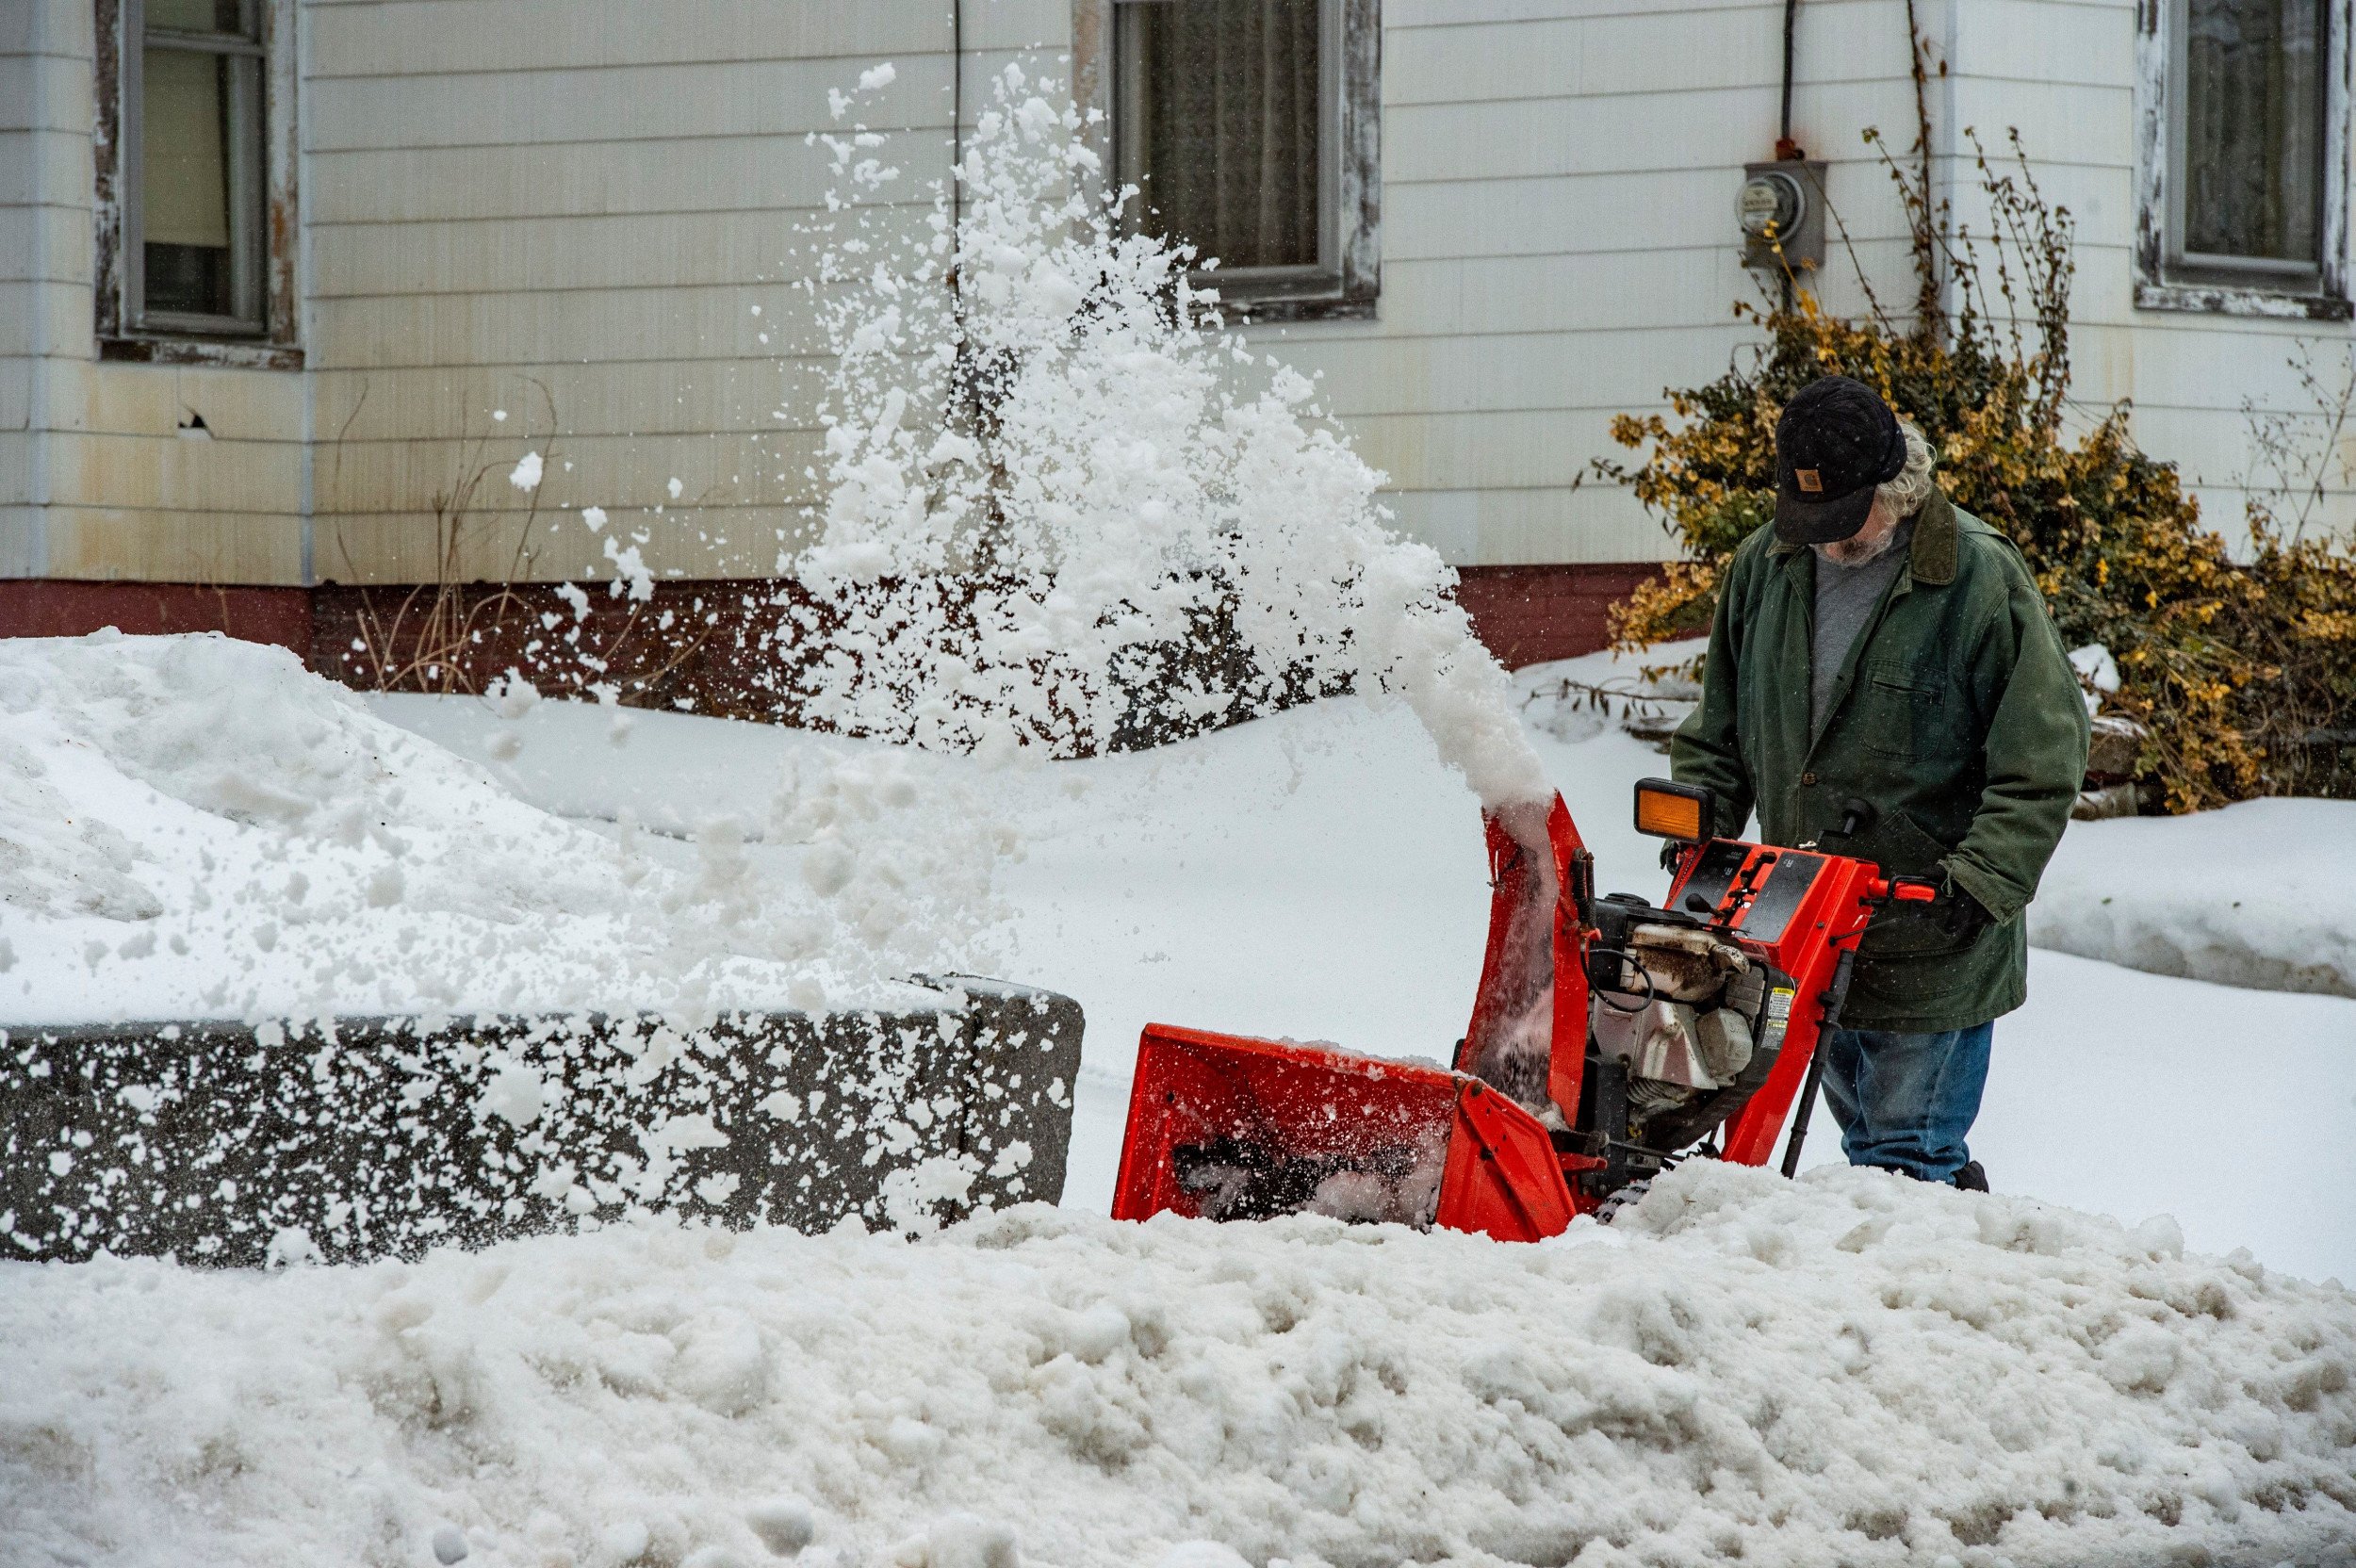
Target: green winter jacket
[(1957, 717)]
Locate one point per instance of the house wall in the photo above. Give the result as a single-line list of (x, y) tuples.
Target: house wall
[(97, 479), (568, 209), (1559, 243), (572, 216), (2064, 73)]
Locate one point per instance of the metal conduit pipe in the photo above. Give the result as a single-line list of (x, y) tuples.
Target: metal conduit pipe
[(1785, 147)]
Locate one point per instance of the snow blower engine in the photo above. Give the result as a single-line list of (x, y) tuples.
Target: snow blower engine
[(1609, 1040)]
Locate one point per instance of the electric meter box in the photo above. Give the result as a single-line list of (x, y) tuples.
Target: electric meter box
[(1782, 204)]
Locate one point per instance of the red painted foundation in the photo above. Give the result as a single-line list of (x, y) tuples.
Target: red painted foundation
[(49, 608), (720, 636), (1530, 614)]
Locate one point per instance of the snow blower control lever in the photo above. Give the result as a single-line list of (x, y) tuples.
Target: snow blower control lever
[(1609, 1040)]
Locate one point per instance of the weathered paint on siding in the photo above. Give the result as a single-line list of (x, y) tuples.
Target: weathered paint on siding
[(567, 209), (1559, 186), (103, 484)]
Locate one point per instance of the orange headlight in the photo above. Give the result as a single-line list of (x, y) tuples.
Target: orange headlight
[(1669, 810)]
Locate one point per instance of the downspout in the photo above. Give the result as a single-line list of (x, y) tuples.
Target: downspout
[(304, 275), (1787, 150), (1947, 146), (957, 119)]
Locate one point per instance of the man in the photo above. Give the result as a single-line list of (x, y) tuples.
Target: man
[(1884, 682)]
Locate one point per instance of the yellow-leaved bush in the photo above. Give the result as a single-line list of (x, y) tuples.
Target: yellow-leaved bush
[(2243, 671)]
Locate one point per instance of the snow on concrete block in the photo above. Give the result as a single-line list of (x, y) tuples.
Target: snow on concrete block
[(269, 1145)]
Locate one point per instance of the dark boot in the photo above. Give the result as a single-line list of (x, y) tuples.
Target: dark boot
[(1972, 1178)]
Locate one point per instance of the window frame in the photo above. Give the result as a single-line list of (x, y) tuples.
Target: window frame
[(2166, 277), (126, 330), (1345, 282)]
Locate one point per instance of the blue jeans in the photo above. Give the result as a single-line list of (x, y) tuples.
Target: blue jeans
[(1905, 1102)]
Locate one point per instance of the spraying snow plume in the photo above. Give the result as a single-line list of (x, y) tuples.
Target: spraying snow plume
[(1051, 515), (1055, 519)]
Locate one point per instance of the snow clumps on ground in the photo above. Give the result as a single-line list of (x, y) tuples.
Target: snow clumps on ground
[(2262, 893), (1850, 1368), (192, 827)]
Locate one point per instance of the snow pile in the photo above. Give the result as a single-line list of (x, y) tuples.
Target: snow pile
[(2262, 893), (1052, 513), (1852, 1368), (1647, 694), (196, 827)]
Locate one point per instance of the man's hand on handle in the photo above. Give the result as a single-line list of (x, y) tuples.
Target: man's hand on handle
[(1960, 915)]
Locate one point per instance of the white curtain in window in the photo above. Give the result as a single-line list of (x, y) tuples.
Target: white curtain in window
[(184, 149)]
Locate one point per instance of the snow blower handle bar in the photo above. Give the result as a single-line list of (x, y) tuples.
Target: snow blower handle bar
[(1905, 889), (1835, 994)]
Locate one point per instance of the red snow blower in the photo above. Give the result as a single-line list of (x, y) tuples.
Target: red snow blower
[(1609, 1040)]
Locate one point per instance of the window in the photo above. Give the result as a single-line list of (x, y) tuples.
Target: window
[(2249, 211), (187, 182), (1249, 128)]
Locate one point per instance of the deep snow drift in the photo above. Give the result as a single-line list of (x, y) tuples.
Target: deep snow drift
[(2260, 893), (1852, 1368), (192, 827)]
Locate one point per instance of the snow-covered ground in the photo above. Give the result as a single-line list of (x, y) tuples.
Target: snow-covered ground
[(2261, 894), (1850, 1368), (192, 827), (1318, 875)]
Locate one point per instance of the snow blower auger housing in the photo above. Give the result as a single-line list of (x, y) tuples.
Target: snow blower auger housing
[(1609, 1038)]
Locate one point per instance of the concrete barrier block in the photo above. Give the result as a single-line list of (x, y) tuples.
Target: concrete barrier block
[(355, 1139)]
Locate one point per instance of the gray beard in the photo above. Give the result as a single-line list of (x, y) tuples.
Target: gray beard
[(1848, 552)]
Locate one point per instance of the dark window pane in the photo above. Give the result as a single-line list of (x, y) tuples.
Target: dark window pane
[(200, 183), (1225, 127), (2254, 128), (190, 280), (201, 16)]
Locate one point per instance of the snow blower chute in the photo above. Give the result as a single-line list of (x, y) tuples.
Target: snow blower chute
[(1609, 1038)]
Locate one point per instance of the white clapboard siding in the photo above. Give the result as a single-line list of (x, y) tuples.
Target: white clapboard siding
[(707, 541), (571, 216), (173, 544), (1558, 245), (616, 104), (568, 209), (559, 252), (436, 38), (608, 325), (749, 468), (638, 397), (2064, 73), (96, 479)]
